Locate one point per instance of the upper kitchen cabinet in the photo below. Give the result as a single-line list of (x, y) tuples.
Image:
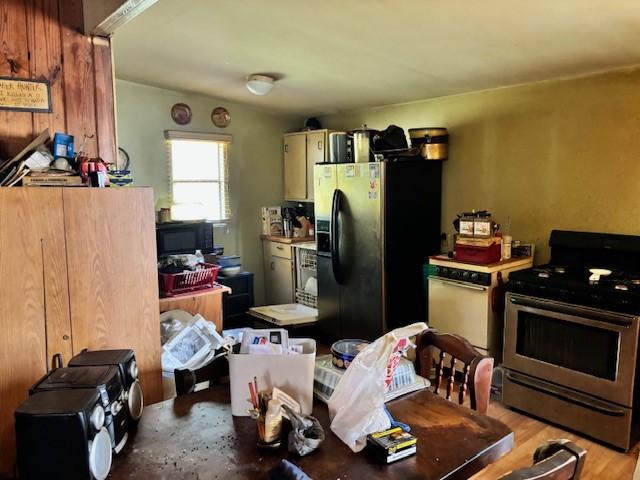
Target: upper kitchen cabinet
[(302, 150)]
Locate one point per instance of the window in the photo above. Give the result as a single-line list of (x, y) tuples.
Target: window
[(198, 175)]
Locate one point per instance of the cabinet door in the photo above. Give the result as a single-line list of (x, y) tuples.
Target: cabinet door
[(113, 277), (34, 302), (295, 167), (278, 278), (316, 148)]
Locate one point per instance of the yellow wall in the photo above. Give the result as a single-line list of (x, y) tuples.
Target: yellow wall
[(562, 154), (255, 158)]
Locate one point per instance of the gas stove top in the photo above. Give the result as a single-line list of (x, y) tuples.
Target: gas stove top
[(618, 291), (568, 277)]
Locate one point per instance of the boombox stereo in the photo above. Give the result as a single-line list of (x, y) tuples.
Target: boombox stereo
[(125, 360), (106, 380), (60, 435)]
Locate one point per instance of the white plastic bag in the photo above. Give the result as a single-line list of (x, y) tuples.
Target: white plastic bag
[(356, 407)]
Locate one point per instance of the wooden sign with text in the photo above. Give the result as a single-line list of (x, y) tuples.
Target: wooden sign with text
[(25, 95)]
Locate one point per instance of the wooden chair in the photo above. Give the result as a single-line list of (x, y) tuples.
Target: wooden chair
[(213, 372), (476, 373), (555, 460)]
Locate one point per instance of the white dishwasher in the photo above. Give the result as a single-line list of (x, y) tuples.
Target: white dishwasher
[(468, 300)]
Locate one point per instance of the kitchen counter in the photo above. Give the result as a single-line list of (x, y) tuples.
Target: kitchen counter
[(445, 261), (282, 239)]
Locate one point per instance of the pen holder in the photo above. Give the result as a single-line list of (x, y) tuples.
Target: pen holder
[(268, 434)]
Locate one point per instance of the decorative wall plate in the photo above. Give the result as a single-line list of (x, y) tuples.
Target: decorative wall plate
[(220, 117), (181, 113)]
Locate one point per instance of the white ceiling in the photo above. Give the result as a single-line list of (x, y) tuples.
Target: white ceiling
[(338, 55)]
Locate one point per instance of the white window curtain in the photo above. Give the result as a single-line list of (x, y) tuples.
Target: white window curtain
[(198, 175)]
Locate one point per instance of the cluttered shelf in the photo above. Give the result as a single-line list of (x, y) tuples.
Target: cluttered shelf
[(38, 166)]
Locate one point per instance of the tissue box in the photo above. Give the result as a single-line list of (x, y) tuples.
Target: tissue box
[(293, 374)]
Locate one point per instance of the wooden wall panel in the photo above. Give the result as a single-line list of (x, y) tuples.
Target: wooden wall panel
[(105, 103), (42, 39), (123, 264), (15, 127), (79, 80), (43, 29)]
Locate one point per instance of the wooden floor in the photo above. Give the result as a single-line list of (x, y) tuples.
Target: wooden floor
[(602, 463)]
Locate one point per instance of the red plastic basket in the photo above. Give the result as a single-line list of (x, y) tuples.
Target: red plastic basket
[(172, 284)]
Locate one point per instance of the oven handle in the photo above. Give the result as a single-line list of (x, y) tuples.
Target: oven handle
[(453, 283), (621, 320), (562, 395)]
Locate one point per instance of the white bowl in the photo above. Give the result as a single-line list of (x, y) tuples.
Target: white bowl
[(230, 271)]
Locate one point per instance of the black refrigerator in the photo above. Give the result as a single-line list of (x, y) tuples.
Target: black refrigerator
[(376, 225)]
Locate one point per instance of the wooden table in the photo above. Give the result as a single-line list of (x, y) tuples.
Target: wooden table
[(195, 436)]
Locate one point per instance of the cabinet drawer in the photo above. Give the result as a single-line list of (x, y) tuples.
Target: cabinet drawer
[(281, 250)]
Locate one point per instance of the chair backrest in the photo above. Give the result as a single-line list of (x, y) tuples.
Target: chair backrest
[(555, 460), (186, 379), (476, 369)]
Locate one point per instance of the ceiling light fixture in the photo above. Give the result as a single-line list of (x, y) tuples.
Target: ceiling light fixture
[(259, 84)]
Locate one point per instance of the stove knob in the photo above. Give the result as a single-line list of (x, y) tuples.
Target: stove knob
[(454, 273), (475, 276), (465, 275), (443, 271)]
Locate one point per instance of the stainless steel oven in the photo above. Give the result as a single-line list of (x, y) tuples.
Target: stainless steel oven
[(581, 348)]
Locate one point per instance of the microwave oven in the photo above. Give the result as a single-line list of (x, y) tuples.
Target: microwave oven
[(175, 238)]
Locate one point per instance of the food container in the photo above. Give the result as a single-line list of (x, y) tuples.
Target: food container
[(327, 376), (433, 142), (229, 261), (483, 226), (466, 224), (344, 351), (362, 143)]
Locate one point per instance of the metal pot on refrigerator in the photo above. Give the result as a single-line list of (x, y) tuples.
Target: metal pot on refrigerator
[(432, 142), (363, 142), (338, 147)]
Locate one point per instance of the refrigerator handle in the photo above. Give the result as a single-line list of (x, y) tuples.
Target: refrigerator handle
[(335, 235)]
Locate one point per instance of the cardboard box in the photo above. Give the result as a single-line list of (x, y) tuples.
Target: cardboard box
[(293, 374), (272, 221)]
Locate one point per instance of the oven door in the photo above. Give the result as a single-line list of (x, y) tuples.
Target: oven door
[(461, 308), (581, 348)]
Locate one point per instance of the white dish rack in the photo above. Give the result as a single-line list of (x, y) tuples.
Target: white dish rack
[(306, 286)]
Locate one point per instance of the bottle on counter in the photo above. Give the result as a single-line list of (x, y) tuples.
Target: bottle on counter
[(199, 257), (506, 247)]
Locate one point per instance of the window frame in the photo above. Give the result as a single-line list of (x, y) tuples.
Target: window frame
[(224, 142)]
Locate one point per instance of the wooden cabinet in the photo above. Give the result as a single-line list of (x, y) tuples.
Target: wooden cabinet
[(113, 275), (295, 167), (302, 150), (207, 303), (78, 271), (34, 306), (278, 272)]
